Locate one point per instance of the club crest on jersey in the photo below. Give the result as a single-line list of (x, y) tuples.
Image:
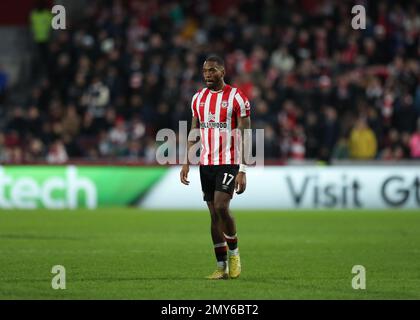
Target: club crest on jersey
[(202, 104), (224, 104)]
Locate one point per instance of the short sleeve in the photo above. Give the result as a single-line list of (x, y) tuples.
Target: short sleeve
[(241, 105), (194, 105)]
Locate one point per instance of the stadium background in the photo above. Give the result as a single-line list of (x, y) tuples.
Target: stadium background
[(79, 113)]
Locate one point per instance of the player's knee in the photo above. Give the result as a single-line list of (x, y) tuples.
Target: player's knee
[(214, 218), (221, 209)]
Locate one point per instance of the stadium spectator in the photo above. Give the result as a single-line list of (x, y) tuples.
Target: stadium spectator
[(362, 143), (330, 132), (35, 151), (40, 20), (3, 154), (34, 122), (57, 153), (96, 98), (118, 137), (4, 82), (341, 149), (71, 122), (415, 142)]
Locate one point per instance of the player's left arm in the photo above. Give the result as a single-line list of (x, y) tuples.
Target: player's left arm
[(240, 181)]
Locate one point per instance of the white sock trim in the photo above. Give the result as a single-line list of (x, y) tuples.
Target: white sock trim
[(234, 252), (230, 237), (218, 245)]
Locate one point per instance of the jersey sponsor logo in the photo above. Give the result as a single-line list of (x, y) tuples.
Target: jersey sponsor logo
[(213, 125), (212, 117)]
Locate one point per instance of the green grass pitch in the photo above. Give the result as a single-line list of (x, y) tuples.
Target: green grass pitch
[(137, 254)]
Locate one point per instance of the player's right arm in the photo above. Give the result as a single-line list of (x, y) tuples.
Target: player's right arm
[(186, 166)]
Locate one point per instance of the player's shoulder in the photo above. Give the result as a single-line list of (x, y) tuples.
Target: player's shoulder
[(240, 93), (241, 100), (194, 97), (199, 91)]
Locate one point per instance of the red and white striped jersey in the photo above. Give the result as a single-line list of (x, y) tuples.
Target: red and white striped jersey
[(217, 112)]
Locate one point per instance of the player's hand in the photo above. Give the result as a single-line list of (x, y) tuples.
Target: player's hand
[(184, 174), (240, 182)]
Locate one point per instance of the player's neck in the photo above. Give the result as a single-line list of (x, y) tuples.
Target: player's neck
[(219, 88)]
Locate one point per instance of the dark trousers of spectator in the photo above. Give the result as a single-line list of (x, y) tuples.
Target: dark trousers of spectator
[(40, 62)]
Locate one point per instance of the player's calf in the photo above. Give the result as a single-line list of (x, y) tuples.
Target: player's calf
[(234, 259)]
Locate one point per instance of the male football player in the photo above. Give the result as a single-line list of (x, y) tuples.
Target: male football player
[(222, 113)]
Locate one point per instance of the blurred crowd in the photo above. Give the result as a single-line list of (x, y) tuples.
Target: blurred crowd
[(320, 89)]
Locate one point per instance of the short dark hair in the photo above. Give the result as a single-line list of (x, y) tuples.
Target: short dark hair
[(217, 59)]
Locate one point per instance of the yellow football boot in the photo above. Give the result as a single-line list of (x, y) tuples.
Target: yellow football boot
[(234, 266), (219, 274)]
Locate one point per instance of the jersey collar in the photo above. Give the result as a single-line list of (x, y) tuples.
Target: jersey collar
[(218, 91)]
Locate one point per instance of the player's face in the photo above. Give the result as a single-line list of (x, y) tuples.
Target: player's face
[(213, 75)]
